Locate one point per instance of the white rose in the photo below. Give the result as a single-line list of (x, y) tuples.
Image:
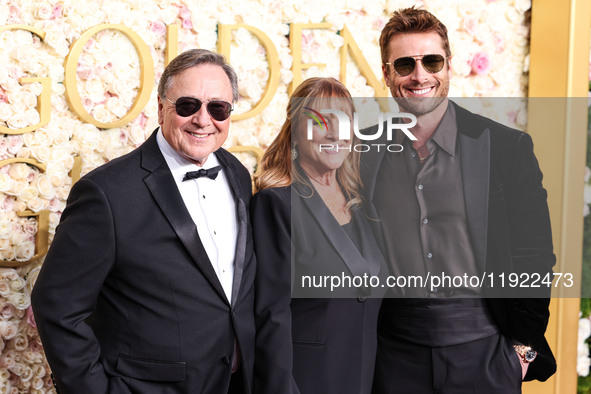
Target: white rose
[(43, 10), (4, 287), (20, 300), (102, 114), (54, 37), (37, 204), (95, 90), (28, 98), (17, 121), (21, 343), (20, 205), (8, 329), (169, 15), (22, 54), (11, 85), (24, 153), (59, 136), (4, 242), (5, 182), (37, 384), (32, 116), (116, 107), (19, 171), (41, 153), (5, 111), (39, 371), (17, 284), (28, 193), (44, 186)]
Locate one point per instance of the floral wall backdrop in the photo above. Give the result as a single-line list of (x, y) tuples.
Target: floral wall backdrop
[(584, 335), (489, 60)]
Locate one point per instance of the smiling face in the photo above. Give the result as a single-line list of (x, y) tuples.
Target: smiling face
[(420, 92), (196, 136), (325, 152)]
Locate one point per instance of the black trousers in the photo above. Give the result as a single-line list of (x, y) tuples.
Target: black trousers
[(485, 366)]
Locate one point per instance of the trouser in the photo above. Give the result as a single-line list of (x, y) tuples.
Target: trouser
[(489, 365)]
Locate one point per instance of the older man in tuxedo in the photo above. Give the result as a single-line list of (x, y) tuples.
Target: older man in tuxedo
[(148, 284), (464, 198)]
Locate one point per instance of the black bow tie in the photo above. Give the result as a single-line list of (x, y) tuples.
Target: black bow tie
[(211, 173)]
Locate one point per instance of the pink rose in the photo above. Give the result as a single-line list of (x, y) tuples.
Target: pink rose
[(7, 311), (185, 15), (500, 43), (35, 345), (187, 24), (57, 10), (480, 63), (84, 72), (470, 25), (15, 143), (158, 28), (31, 317)]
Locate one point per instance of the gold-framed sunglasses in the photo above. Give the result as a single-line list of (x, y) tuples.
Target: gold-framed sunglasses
[(432, 63)]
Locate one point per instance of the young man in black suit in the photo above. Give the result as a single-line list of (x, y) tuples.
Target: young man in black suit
[(465, 197), (148, 284)]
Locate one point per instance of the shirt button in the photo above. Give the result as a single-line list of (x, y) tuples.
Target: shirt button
[(425, 221), (420, 187), (429, 255), (204, 196), (412, 154)]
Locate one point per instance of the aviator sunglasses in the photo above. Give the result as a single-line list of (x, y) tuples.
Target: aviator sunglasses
[(403, 66), (217, 109)]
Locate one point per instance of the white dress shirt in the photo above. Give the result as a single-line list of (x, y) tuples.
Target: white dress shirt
[(212, 207)]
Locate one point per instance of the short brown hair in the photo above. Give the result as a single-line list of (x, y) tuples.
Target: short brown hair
[(412, 20)]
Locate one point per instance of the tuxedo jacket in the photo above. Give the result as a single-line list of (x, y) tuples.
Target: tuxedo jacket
[(127, 300), (508, 222), (331, 338)]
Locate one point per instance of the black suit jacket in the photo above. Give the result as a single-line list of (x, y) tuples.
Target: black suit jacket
[(334, 338), (508, 222), (127, 300)]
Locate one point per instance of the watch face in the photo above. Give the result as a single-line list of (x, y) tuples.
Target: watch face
[(530, 355)]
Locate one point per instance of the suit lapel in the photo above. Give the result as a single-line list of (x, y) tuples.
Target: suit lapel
[(165, 192), (240, 254), (334, 233), (475, 167)]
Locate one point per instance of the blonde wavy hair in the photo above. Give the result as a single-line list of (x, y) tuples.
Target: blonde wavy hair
[(279, 170)]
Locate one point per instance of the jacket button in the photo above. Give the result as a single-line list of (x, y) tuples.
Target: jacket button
[(226, 360), (361, 299)]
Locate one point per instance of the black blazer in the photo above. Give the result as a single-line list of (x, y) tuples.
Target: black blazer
[(334, 339), (508, 221), (127, 300)]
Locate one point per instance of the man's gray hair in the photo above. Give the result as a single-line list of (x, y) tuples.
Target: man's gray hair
[(192, 58)]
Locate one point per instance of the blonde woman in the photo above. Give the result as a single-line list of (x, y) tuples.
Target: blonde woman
[(310, 185)]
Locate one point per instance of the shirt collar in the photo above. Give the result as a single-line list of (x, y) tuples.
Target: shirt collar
[(446, 134)]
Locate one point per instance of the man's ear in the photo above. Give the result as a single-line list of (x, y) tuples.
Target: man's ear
[(160, 111), (449, 67)]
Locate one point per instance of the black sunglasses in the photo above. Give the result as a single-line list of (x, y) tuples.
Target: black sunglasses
[(217, 109), (403, 66)]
